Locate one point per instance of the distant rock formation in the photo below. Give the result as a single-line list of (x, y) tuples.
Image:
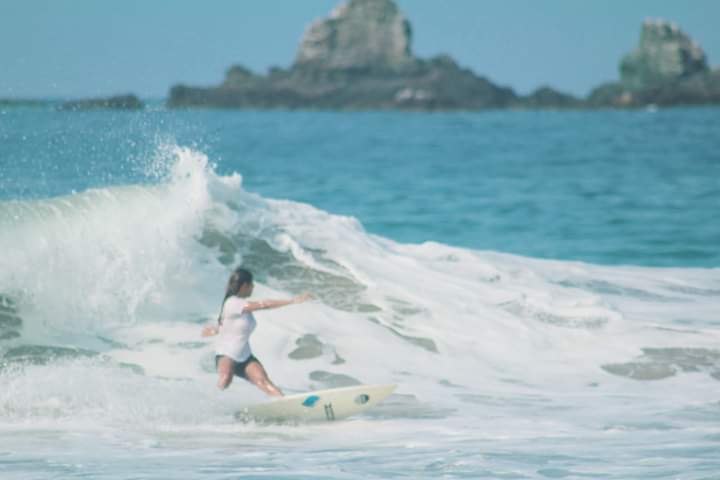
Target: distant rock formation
[(120, 102), (667, 68), (546, 97), (368, 34), (23, 102), (361, 58), (358, 58), (665, 54)]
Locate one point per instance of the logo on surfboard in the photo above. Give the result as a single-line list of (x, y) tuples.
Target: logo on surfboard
[(310, 401)]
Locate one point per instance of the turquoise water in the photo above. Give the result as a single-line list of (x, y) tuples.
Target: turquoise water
[(606, 187), (542, 286)]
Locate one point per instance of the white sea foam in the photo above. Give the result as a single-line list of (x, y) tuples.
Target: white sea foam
[(517, 347)]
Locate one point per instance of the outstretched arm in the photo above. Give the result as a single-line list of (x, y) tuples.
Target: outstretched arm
[(267, 304), (211, 330)]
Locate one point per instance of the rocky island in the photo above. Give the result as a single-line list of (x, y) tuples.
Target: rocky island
[(667, 68), (22, 102), (360, 58), (118, 102)]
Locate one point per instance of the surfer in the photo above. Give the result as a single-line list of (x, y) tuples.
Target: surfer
[(236, 323)]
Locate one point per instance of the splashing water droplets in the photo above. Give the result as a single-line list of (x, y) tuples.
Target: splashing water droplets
[(90, 261)]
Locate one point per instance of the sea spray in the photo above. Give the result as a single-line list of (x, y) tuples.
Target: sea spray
[(89, 261)]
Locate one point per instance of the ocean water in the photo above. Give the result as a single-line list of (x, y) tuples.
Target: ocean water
[(544, 288)]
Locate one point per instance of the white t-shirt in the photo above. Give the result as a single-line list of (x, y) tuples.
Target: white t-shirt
[(235, 330)]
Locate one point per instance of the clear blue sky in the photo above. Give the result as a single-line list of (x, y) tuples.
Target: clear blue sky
[(81, 48)]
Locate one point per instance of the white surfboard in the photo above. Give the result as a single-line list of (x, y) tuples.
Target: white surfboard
[(322, 405)]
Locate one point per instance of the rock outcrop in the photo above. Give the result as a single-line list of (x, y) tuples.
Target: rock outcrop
[(361, 34), (23, 102), (665, 54), (546, 97), (120, 102), (667, 68), (358, 58)]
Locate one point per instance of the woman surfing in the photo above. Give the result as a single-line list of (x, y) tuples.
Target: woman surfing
[(236, 322)]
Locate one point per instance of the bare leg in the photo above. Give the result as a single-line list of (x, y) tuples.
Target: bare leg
[(257, 375), (225, 368)]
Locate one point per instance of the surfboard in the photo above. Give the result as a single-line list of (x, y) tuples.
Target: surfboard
[(319, 406)]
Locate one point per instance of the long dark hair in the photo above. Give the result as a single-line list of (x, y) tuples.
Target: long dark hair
[(239, 277)]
